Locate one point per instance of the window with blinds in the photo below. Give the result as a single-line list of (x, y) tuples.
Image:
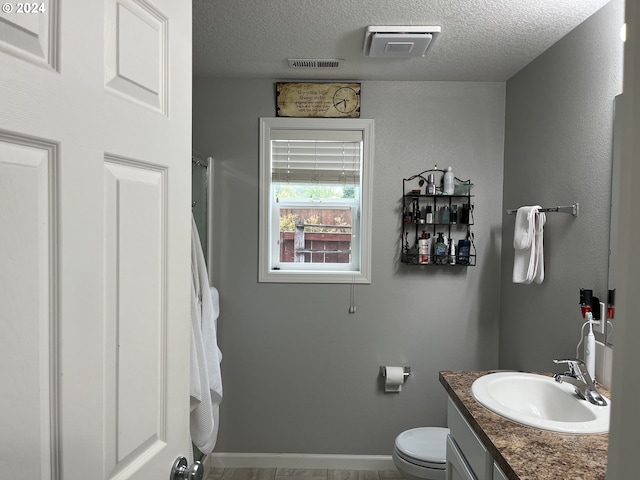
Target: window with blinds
[(316, 156), (315, 197)]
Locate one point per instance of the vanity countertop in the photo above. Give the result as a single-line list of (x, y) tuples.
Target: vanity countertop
[(527, 453)]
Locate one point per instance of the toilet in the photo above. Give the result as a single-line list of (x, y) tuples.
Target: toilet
[(421, 453)]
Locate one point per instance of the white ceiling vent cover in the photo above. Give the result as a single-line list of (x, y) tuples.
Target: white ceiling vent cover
[(399, 41), (315, 62)]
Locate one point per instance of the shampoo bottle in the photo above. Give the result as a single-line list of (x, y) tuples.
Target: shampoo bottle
[(423, 248)]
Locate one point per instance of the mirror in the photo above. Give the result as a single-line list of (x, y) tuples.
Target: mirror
[(615, 200)]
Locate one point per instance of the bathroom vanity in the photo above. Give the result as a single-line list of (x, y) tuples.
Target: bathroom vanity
[(486, 446)]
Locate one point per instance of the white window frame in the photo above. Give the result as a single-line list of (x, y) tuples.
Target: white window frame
[(353, 205), (314, 273)]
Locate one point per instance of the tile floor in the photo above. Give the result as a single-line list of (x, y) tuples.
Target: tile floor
[(300, 474)]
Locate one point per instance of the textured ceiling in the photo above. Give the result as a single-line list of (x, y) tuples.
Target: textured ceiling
[(481, 40)]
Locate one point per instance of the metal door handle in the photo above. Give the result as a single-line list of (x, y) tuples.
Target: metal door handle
[(180, 471)]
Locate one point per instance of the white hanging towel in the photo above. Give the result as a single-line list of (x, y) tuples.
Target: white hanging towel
[(528, 260), (206, 378)]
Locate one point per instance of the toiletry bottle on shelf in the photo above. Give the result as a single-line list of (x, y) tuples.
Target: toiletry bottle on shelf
[(464, 247), (452, 252), (431, 184), (423, 248), (405, 214), (415, 210), (449, 182), (463, 217), (428, 216), (440, 252), (454, 214), (444, 215)]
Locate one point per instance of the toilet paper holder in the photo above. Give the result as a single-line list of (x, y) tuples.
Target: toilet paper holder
[(383, 371)]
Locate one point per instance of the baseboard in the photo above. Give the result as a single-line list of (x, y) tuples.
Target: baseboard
[(300, 460), (207, 466)]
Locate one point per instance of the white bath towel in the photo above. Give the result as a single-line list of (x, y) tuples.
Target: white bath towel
[(206, 378), (537, 275), (528, 261)]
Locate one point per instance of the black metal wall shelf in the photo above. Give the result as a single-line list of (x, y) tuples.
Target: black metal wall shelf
[(428, 212)]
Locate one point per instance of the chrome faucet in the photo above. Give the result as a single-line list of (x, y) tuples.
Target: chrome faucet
[(579, 377)]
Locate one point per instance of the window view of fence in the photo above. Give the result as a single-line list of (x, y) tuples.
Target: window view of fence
[(315, 235)]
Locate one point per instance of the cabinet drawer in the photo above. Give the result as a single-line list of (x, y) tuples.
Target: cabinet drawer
[(477, 456)]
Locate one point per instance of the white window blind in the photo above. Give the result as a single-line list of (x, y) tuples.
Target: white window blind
[(316, 156)]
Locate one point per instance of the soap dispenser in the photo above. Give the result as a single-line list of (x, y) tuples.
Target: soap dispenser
[(440, 251)]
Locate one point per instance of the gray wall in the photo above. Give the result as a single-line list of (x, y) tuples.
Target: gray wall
[(300, 373), (622, 460), (559, 120)]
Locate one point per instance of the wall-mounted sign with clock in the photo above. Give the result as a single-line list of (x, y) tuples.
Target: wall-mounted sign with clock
[(318, 100)]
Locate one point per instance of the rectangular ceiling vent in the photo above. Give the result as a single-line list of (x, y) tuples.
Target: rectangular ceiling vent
[(399, 41), (315, 62)]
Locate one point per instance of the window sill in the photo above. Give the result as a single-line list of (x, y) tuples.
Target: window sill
[(297, 276)]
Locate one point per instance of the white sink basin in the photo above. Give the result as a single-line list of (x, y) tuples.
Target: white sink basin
[(539, 401)]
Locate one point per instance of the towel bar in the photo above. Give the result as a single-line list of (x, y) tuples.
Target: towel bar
[(572, 209)]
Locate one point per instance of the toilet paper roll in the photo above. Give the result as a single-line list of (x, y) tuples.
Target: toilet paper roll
[(394, 379)]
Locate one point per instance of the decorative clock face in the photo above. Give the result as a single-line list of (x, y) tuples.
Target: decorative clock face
[(318, 100), (345, 100)]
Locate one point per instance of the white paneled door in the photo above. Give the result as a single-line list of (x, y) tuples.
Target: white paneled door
[(95, 146)]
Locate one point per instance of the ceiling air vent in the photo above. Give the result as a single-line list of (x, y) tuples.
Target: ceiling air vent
[(399, 41), (315, 62)]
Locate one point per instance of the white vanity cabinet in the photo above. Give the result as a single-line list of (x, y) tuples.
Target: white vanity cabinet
[(457, 467), (467, 458), (498, 474), (486, 446)]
